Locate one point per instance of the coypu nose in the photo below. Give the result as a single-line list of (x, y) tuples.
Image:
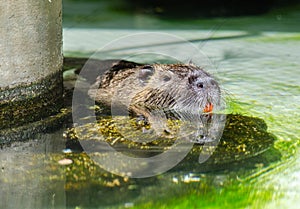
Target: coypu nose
[(213, 82)]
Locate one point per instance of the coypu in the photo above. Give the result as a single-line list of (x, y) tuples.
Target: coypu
[(154, 95), (143, 88)]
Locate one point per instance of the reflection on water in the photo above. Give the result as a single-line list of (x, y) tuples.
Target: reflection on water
[(33, 174), (30, 176), (128, 148), (243, 137)]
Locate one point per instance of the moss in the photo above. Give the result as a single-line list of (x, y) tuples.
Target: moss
[(26, 104), (29, 130), (243, 137), (234, 196)]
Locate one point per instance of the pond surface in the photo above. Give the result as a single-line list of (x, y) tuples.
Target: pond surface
[(258, 69)]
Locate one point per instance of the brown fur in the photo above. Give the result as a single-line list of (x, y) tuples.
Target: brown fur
[(158, 86)]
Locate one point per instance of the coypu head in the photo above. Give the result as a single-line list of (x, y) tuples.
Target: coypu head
[(180, 87)]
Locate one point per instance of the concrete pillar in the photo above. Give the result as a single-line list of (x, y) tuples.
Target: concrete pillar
[(30, 60)]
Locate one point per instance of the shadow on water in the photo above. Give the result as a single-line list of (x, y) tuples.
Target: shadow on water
[(281, 16), (193, 8), (244, 35)]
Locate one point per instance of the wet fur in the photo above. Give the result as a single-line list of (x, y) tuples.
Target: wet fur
[(157, 86)]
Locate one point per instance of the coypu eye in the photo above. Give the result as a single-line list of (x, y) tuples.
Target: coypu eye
[(196, 81), (200, 85)]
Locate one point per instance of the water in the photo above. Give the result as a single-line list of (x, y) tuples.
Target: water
[(260, 77)]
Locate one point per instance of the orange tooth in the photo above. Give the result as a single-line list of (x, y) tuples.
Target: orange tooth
[(209, 107)]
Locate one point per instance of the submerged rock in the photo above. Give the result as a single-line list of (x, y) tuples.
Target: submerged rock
[(242, 138)]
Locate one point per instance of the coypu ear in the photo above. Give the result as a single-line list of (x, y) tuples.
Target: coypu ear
[(145, 73), (192, 79), (121, 65)]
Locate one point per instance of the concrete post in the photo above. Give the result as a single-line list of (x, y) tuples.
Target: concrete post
[(30, 60)]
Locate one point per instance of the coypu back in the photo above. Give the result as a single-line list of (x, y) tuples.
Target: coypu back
[(118, 72)]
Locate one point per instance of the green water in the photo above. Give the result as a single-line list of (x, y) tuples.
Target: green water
[(257, 62)]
